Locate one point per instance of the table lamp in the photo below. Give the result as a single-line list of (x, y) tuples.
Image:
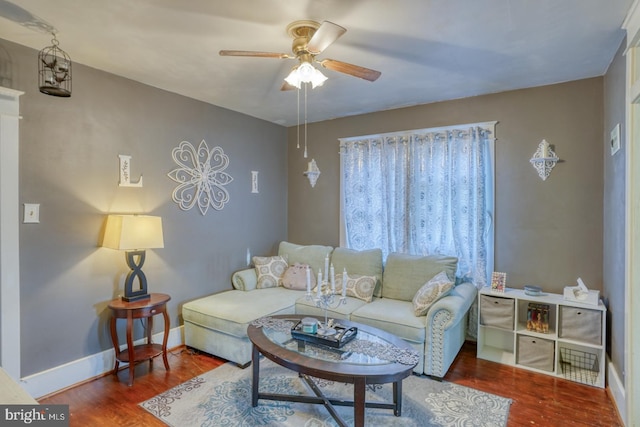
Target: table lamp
[(134, 234)]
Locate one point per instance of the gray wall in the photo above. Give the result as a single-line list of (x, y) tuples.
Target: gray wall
[(614, 210), (547, 233), (69, 165)]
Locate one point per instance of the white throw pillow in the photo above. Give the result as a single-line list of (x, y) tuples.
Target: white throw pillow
[(430, 292), (269, 270), (358, 286)]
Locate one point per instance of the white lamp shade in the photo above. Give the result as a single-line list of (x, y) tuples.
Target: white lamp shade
[(131, 232), (305, 73)]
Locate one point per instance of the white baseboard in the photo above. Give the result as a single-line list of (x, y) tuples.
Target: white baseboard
[(616, 389), (78, 371)]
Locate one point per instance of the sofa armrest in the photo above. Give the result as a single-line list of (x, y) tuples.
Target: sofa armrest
[(245, 280), (455, 305), (446, 329)]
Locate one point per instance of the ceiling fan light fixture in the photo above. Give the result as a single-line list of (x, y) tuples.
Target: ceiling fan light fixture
[(293, 78), (305, 73)]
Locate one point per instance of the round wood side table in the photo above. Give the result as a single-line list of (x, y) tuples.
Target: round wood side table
[(142, 309)]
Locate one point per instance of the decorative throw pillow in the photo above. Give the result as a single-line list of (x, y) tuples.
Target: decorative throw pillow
[(430, 292), (295, 277), (358, 286), (269, 270)]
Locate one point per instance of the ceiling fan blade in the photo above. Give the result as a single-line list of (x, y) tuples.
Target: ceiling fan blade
[(254, 54), (287, 86), (353, 70), (326, 34)]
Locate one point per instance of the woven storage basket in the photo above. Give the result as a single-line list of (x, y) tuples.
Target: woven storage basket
[(535, 353), (497, 312), (581, 324)]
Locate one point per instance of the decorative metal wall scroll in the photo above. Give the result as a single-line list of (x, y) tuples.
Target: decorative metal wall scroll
[(200, 176)]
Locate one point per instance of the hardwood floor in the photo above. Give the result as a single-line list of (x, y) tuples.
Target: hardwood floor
[(538, 400), (109, 401)]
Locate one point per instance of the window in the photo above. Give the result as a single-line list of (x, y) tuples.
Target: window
[(427, 191)]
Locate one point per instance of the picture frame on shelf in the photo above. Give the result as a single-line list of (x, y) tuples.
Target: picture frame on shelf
[(498, 282)]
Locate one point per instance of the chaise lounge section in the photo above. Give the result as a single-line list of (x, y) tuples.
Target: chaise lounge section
[(217, 324)]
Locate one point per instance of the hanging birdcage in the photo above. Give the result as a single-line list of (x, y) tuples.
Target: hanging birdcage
[(54, 70)]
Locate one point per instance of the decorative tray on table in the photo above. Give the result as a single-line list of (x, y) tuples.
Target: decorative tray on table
[(342, 335)]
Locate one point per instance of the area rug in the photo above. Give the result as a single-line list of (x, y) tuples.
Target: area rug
[(222, 397)]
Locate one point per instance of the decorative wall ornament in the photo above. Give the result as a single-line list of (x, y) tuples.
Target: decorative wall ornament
[(254, 182), (313, 172), (544, 159), (125, 172), (200, 176)]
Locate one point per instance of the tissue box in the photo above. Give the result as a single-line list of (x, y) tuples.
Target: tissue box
[(574, 293)]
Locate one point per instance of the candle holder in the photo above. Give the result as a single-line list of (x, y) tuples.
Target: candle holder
[(544, 160), (325, 299)]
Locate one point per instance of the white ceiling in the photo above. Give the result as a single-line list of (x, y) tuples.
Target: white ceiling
[(427, 50)]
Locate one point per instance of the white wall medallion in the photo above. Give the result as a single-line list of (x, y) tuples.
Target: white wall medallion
[(125, 172), (544, 160), (312, 172), (200, 176)]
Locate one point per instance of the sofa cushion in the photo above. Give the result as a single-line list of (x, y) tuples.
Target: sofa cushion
[(393, 316), (231, 311), (405, 274), (340, 311), (314, 255), (269, 270), (431, 292), (365, 263)]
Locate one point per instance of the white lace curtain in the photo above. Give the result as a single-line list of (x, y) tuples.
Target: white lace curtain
[(422, 192)]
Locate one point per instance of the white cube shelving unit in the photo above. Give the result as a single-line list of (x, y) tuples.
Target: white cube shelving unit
[(573, 347)]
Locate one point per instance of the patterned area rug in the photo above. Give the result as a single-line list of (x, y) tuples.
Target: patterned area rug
[(222, 397)]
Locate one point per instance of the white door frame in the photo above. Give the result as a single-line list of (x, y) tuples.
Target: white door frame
[(632, 218), (9, 237)]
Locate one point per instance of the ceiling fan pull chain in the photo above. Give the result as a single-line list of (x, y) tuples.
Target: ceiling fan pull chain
[(298, 126), (305, 119)]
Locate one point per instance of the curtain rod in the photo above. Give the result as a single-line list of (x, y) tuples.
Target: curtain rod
[(490, 126)]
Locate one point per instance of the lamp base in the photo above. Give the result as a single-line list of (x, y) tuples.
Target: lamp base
[(135, 297), (135, 259)]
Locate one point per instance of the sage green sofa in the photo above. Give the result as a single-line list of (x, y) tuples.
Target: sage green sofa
[(217, 323)]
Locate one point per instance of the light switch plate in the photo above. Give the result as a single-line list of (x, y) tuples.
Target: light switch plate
[(31, 213)]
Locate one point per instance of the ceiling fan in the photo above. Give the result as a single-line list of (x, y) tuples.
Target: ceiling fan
[(311, 38)]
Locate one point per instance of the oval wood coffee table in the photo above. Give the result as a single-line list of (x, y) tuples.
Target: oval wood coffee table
[(372, 357)]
